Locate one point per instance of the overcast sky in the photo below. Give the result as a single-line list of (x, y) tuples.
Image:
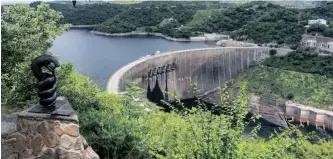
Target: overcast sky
[(29, 1), (18, 1)]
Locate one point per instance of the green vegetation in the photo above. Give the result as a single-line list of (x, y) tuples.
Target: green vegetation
[(324, 12), (272, 52), (322, 29), (120, 126), (200, 17), (314, 90), (160, 17), (259, 22), (311, 83), (303, 60), (91, 14), (26, 33), (302, 75), (129, 21)]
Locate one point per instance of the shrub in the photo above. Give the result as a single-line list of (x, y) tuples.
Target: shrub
[(316, 28), (111, 124), (25, 35), (303, 61), (280, 41), (290, 96), (121, 128), (277, 83), (79, 90), (294, 47), (272, 52)]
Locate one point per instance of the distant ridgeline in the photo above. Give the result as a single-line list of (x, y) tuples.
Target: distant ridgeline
[(300, 4), (291, 4), (259, 22)]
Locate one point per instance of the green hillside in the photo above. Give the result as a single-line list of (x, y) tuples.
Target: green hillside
[(201, 17), (260, 22), (306, 61), (280, 84)]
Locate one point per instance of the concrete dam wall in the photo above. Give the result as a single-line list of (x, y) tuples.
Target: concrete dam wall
[(174, 71), (308, 115)]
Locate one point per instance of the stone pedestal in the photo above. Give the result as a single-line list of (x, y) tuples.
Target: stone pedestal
[(45, 136)]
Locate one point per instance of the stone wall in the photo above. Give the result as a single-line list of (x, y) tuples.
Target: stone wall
[(44, 136)]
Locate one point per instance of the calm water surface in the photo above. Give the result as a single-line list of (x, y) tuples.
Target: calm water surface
[(99, 56)]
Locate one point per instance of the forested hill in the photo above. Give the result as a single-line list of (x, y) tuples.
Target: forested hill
[(259, 22), (89, 14), (96, 13)]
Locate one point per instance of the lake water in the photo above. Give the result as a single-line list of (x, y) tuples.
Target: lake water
[(98, 57)]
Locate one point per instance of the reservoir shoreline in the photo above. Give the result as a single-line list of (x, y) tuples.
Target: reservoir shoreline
[(205, 37), (83, 26), (81, 47)]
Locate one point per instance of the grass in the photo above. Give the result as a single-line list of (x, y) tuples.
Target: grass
[(311, 89)]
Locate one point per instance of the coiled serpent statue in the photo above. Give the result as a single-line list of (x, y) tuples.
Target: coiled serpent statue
[(47, 84)]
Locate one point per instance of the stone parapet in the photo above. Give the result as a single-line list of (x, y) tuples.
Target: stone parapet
[(44, 136)]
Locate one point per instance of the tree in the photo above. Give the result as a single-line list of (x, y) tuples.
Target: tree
[(328, 32), (26, 33), (272, 52), (319, 28)]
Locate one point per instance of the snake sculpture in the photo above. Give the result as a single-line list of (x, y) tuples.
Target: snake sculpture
[(46, 79)]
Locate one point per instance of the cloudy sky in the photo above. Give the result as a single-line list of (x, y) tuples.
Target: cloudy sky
[(29, 1), (17, 1)]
